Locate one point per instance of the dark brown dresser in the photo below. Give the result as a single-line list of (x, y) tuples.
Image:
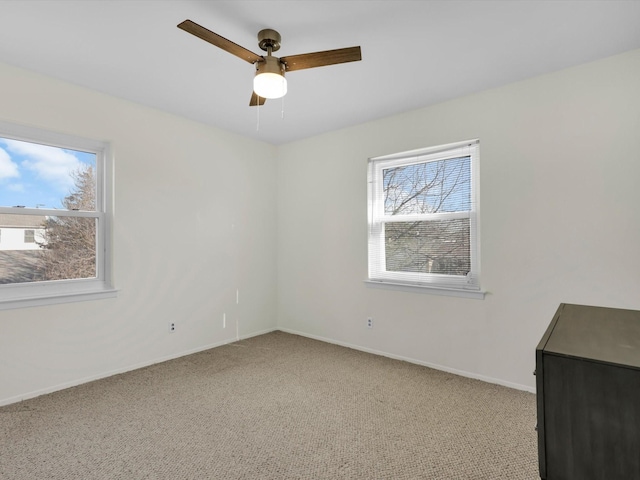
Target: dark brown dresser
[(588, 395)]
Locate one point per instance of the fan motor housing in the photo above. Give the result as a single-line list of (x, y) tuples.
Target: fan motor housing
[(270, 65), (269, 38)]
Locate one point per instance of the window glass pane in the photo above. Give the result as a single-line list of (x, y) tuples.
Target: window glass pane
[(20, 266), (29, 236), (41, 176), (440, 247), (63, 248), (428, 187), (69, 248)]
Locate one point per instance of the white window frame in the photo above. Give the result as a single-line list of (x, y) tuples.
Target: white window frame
[(468, 286), (18, 295)]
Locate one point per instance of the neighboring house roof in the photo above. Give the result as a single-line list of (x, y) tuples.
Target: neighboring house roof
[(21, 221)]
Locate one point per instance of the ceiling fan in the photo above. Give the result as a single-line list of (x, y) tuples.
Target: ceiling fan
[(269, 81)]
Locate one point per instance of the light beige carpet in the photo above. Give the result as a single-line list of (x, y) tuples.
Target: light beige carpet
[(277, 406)]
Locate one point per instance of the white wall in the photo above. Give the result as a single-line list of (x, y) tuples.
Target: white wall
[(559, 223), (171, 176), (559, 173)]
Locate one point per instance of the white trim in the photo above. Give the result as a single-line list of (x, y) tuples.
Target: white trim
[(110, 373), (421, 288), (51, 212), (377, 218), (54, 299), (255, 334), (91, 378), (20, 295), (427, 151), (461, 373), (26, 133), (421, 217)]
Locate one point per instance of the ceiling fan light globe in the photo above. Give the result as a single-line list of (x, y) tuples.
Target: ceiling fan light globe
[(270, 85)]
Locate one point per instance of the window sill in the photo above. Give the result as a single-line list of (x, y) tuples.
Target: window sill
[(57, 298), (407, 287)]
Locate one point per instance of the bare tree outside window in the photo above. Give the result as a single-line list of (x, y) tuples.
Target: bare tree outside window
[(69, 246), (437, 246)]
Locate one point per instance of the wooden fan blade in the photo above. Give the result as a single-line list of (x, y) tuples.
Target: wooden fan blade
[(220, 42), (320, 59), (256, 100)]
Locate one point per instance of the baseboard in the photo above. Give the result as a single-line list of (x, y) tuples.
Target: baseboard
[(75, 383), (454, 371)]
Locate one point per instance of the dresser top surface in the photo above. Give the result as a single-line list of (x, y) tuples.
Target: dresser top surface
[(598, 333)]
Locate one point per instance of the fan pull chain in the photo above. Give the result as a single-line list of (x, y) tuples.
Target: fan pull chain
[(282, 108), (258, 115)]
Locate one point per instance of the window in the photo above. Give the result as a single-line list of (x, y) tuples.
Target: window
[(55, 208), (423, 218), (29, 236)]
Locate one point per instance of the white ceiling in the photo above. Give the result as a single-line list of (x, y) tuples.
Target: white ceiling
[(414, 53)]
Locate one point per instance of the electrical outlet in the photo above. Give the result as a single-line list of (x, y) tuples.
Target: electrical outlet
[(224, 320), (369, 322), (172, 327)]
